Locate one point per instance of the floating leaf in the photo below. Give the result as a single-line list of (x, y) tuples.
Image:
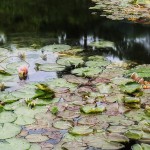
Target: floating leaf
[(134, 134), (87, 71), (62, 125), (130, 88), (70, 61), (136, 147), (56, 48), (15, 144), (97, 63), (24, 120), (81, 130), (7, 116), (35, 147), (50, 67), (131, 100), (92, 109), (9, 130), (33, 138), (103, 44), (72, 145), (115, 137)]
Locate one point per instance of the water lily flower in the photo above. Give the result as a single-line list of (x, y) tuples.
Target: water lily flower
[(23, 72)]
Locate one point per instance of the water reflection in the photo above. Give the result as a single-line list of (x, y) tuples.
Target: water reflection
[(41, 23)]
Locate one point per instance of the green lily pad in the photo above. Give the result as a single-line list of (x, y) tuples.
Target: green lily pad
[(87, 71), (75, 79), (34, 138), (50, 67), (62, 124), (26, 111), (9, 130), (115, 137), (103, 44), (7, 116), (96, 58), (81, 130), (92, 109), (7, 97), (105, 88), (15, 144), (130, 88), (73, 144), (56, 48), (24, 120), (61, 83), (70, 61), (112, 146), (143, 71), (117, 129), (134, 134), (13, 106), (131, 100), (136, 115), (145, 146), (97, 63), (121, 80), (13, 67), (35, 147), (136, 147)]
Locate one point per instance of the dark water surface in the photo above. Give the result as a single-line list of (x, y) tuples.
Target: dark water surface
[(70, 21)]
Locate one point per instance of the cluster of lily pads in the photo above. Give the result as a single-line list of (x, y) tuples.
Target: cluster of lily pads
[(95, 105), (133, 10)]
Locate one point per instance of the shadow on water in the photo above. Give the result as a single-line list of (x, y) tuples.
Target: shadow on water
[(71, 22)]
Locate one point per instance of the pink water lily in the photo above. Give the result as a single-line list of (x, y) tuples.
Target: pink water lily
[(23, 72)]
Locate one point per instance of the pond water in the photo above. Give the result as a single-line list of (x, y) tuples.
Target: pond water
[(48, 22), (103, 88)]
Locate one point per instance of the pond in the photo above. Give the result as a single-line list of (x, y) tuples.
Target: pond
[(72, 78)]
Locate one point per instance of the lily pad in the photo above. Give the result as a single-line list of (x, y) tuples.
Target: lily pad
[(81, 130), (136, 147), (73, 144), (87, 71), (61, 83), (26, 111), (56, 48), (9, 130), (143, 71), (13, 67), (130, 88), (105, 88), (134, 134), (103, 44), (35, 147), (62, 125), (15, 144), (115, 137), (50, 67), (7, 116), (33, 138), (24, 120), (92, 109), (97, 63), (70, 61), (75, 79), (131, 100)]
